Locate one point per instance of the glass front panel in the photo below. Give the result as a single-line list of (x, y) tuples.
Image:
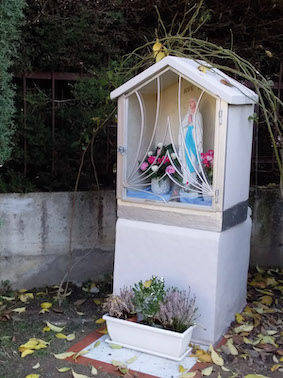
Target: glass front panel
[(170, 141)]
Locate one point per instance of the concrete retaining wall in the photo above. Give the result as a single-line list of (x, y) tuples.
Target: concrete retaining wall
[(35, 230)]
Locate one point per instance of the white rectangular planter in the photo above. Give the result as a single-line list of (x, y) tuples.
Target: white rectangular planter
[(157, 341)]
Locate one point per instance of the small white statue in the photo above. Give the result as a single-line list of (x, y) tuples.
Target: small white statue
[(190, 143)]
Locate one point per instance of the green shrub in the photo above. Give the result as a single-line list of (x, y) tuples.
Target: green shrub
[(10, 20)]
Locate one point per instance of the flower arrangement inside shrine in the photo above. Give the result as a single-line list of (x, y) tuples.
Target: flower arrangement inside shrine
[(207, 162), (161, 162)]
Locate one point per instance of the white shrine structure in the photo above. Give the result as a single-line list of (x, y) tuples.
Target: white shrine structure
[(183, 169)]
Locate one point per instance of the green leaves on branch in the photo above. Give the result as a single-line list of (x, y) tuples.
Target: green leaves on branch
[(10, 21)]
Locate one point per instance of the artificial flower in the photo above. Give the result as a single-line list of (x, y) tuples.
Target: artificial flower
[(170, 169), (144, 166), (151, 159)]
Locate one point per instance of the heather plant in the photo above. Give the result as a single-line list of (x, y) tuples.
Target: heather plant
[(120, 306), (147, 297), (177, 311)]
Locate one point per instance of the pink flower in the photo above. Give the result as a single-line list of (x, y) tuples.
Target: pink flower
[(144, 166), (151, 159), (210, 152), (170, 169)]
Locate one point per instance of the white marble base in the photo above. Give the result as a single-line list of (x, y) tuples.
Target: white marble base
[(213, 264), (137, 361)]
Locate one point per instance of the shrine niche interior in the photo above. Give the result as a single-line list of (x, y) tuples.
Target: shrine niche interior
[(155, 113)]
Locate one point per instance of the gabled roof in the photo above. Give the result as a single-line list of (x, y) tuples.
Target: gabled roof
[(209, 80)]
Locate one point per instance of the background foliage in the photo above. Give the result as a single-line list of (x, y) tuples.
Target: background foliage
[(91, 37), (10, 18)]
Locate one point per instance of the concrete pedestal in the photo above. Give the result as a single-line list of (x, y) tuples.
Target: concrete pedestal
[(213, 264)]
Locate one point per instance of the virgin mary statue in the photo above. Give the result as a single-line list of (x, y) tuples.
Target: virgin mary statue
[(190, 144)]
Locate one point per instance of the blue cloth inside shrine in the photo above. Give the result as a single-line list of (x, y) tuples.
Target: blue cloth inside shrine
[(207, 201), (147, 194)]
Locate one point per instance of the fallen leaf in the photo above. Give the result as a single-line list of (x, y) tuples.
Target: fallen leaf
[(224, 368), (97, 301), (45, 305), (36, 366), (275, 367), (96, 344), (202, 356), (22, 290), (270, 281), (255, 376), (275, 359), (189, 374), (118, 363), (53, 327), (76, 375), (207, 371), (131, 360), (239, 318), (80, 353), (63, 356), (60, 336), (115, 346), (103, 331), (243, 328), (93, 371), (26, 352), (181, 369), (71, 337), (79, 302), (215, 357), (267, 340), (266, 299), (57, 310), (271, 332), (202, 69), (8, 298), (80, 313), (19, 310), (63, 369), (45, 329), (32, 376), (233, 350), (26, 297), (100, 321)]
